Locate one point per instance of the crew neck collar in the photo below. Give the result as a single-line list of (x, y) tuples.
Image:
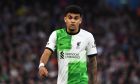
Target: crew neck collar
[(72, 33)]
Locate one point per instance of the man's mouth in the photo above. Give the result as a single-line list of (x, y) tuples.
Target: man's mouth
[(72, 28)]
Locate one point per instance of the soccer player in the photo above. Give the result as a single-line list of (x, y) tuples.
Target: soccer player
[(73, 45)]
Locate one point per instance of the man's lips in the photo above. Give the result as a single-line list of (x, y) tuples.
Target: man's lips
[(72, 26)]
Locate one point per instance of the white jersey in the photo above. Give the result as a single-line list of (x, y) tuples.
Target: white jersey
[(72, 51)]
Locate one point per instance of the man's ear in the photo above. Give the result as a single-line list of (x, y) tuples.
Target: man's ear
[(64, 19), (80, 20)]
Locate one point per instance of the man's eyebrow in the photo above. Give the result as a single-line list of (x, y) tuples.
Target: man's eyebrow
[(76, 16), (73, 16)]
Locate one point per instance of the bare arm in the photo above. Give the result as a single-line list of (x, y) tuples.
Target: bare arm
[(43, 72), (45, 56), (93, 70)]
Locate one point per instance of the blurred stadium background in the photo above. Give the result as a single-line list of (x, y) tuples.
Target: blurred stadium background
[(25, 26)]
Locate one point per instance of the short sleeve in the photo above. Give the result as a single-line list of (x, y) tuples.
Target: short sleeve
[(52, 41), (91, 47)]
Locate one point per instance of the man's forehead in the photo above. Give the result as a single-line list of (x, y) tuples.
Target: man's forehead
[(73, 14)]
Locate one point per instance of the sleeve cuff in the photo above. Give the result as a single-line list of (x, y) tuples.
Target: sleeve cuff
[(49, 49), (92, 55)]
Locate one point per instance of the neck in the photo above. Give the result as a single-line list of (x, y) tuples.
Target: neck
[(72, 32)]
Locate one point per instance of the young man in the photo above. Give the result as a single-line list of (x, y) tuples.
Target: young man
[(73, 46)]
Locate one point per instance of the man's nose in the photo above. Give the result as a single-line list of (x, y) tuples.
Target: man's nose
[(72, 20)]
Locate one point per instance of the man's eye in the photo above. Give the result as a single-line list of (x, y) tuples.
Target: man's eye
[(76, 18), (69, 17)]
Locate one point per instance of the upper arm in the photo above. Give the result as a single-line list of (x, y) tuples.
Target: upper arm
[(91, 47), (45, 56), (51, 42), (47, 52), (92, 58)]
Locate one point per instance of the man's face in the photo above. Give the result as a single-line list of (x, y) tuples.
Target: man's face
[(72, 21)]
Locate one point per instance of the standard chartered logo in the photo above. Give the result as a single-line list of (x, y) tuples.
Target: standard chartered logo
[(64, 55), (61, 55)]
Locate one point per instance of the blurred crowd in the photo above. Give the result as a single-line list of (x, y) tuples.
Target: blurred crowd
[(25, 27)]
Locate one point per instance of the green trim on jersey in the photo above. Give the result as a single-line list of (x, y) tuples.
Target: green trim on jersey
[(63, 40), (77, 73)]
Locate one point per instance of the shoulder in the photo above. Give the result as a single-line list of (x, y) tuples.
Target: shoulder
[(60, 30), (86, 33), (56, 32)]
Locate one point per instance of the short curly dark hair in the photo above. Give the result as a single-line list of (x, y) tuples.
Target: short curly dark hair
[(73, 9)]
